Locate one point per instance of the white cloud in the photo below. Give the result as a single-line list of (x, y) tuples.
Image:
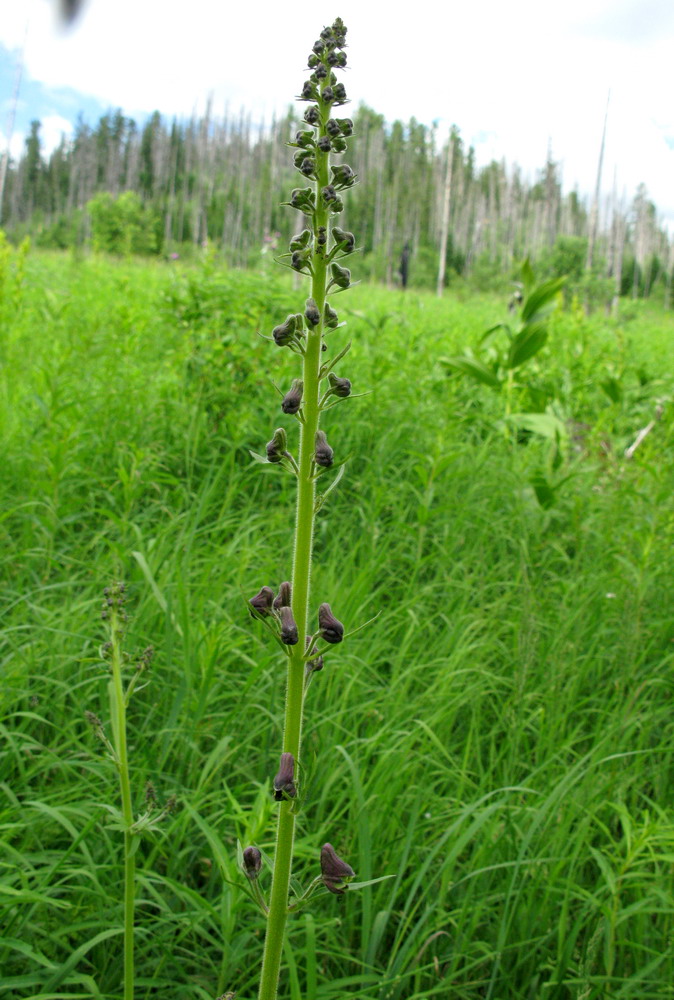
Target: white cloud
[(54, 127), (16, 144)]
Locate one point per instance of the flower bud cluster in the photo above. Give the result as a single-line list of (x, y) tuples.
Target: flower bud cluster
[(265, 605), (114, 598), (327, 54)]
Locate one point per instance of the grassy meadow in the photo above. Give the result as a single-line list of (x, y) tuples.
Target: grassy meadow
[(500, 740)]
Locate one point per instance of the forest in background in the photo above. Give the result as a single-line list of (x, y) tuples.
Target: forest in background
[(166, 187)]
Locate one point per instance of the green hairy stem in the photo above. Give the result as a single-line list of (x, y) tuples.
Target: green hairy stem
[(306, 335), (118, 719)]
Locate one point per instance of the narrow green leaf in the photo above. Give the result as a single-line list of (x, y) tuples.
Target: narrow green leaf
[(542, 296), (527, 275), (370, 881), (476, 369), (526, 344), (491, 330), (322, 497), (545, 424)]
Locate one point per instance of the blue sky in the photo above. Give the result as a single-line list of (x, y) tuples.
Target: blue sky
[(56, 107), (513, 77)]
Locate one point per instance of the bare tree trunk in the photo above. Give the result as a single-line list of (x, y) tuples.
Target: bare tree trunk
[(446, 205), (668, 279), (592, 234), (11, 115)]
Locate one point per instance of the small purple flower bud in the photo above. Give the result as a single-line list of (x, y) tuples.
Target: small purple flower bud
[(285, 332), (312, 313), (345, 126), (316, 663), (312, 61), (345, 241), (312, 116), (252, 862), (334, 870), (328, 95), (282, 600), (339, 386), (323, 144), (332, 127), (293, 398), (328, 194), (278, 446), (289, 633), (309, 91), (322, 236), (340, 275), (331, 630), (323, 453), (304, 138), (320, 72), (261, 604), (284, 786), (343, 175), (308, 166), (318, 47), (330, 316), (300, 241), (339, 91), (301, 155), (303, 199), (299, 259)]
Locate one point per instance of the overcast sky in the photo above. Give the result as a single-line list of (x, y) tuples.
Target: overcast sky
[(512, 76)]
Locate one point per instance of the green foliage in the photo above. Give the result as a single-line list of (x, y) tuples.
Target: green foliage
[(503, 736), (123, 225), (12, 276), (503, 360), (566, 258)]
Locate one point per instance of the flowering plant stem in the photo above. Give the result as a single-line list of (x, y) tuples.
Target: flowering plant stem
[(118, 718), (316, 263), (301, 578)]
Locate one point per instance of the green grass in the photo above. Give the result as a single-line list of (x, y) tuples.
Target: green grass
[(500, 740)]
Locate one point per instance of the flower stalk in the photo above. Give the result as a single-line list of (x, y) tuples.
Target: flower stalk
[(113, 610), (314, 252), (116, 750)]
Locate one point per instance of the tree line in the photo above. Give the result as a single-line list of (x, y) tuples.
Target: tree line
[(169, 185)]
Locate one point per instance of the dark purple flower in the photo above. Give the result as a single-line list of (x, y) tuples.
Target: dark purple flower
[(284, 786), (334, 870), (331, 630)]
